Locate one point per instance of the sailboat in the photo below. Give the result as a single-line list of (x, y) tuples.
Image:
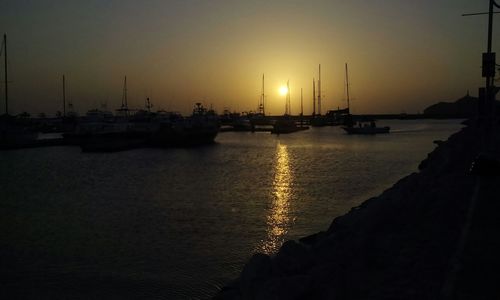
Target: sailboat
[(15, 132), (287, 124), (363, 127), (259, 118), (318, 120)]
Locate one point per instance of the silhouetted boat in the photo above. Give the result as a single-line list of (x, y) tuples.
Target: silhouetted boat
[(15, 132), (161, 129), (200, 128), (286, 125), (366, 128), (318, 120), (95, 123)]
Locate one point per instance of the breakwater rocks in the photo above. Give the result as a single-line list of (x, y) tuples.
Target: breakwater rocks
[(403, 244)]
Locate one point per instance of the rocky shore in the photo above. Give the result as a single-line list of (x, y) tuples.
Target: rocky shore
[(433, 235)]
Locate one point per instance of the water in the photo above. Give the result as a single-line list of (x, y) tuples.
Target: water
[(180, 223)]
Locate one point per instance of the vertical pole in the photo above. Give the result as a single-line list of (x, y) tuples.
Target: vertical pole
[(64, 96), (314, 98), (289, 106), (124, 108), (488, 50), (490, 94), (490, 26), (301, 103), (125, 92), (301, 108), (347, 88), (6, 81), (263, 104), (319, 91)]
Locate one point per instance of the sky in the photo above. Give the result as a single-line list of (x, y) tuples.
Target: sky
[(402, 55)]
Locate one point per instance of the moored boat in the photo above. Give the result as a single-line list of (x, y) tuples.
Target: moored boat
[(200, 128), (366, 128), (287, 125), (161, 129)]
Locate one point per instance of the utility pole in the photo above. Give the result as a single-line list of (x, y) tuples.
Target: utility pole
[(487, 94)]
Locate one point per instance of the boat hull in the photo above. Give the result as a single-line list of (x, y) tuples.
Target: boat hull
[(164, 137), (185, 137), (367, 130)]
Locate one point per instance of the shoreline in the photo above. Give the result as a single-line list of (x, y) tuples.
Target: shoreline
[(419, 239)]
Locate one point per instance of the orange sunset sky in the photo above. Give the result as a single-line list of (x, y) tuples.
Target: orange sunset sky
[(403, 55)]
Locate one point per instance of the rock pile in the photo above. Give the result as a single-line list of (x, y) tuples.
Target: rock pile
[(398, 245)]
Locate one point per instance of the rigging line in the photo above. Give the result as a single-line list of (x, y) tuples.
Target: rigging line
[(496, 4), (478, 14)]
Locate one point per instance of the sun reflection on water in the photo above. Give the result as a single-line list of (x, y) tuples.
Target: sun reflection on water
[(278, 220)]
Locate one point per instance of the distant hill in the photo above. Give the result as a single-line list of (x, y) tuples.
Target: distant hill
[(463, 107)]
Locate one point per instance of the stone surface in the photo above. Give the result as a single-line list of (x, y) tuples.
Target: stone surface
[(402, 244)]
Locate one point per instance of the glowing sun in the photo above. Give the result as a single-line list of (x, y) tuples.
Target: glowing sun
[(283, 90)]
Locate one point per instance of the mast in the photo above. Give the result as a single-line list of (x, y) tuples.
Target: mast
[(262, 97), (288, 108), (148, 104), (319, 91), (301, 104), (314, 98), (124, 97), (6, 81), (64, 96), (347, 88)]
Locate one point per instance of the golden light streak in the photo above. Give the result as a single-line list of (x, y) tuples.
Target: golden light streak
[(278, 220)]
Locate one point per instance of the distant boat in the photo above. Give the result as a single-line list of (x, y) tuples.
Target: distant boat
[(17, 132), (366, 128), (200, 128), (363, 127), (161, 129), (287, 124), (283, 126), (318, 120)]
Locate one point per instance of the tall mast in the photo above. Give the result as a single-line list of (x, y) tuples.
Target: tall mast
[(288, 108), (262, 97), (347, 87), (314, 98), (319, 91), (124, 96), (301, 103), (6, 81), (64, 96)]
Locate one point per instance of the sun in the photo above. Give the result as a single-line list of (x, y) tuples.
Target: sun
[(283, 90)]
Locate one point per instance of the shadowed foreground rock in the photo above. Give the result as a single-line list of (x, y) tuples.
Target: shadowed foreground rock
[(425, 238)]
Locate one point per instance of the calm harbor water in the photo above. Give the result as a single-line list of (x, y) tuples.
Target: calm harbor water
[(180, 223)]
